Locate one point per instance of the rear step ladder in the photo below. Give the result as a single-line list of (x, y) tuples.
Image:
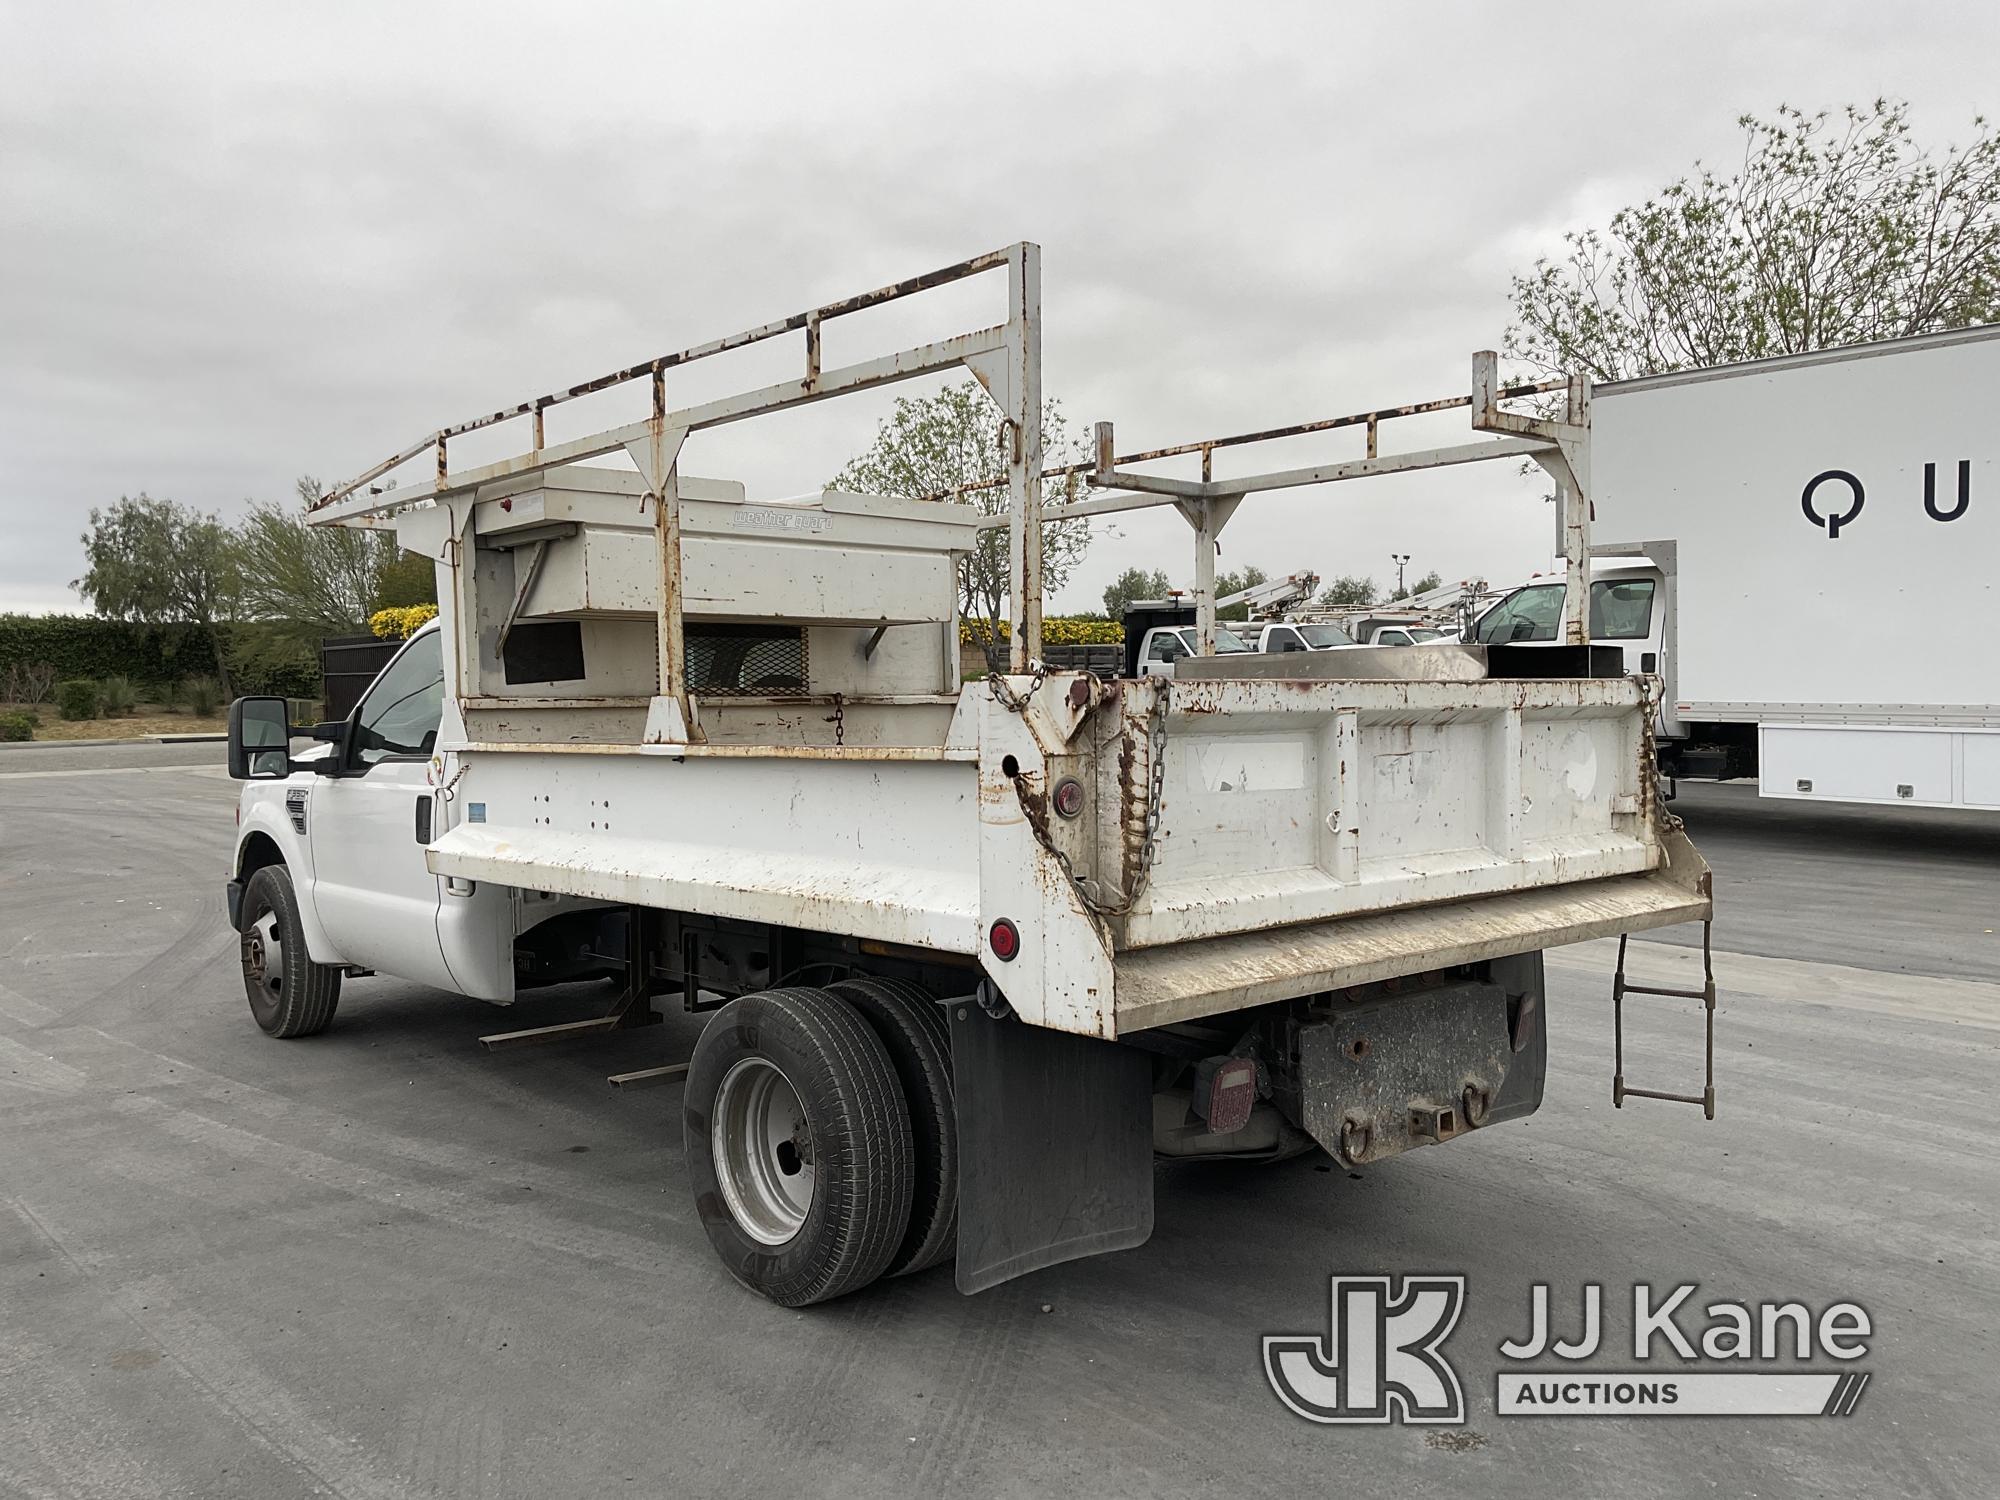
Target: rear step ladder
[(1706, 995)]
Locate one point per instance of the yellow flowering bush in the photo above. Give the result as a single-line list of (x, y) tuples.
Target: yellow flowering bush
[(1057, 630), (402, 622)]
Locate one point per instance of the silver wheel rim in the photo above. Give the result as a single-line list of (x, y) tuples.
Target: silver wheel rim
[(264, 954), (763, 1151)]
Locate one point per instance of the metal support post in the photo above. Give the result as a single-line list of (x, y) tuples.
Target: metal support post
[(1024, 454)]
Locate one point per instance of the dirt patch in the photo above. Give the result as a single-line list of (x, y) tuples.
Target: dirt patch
[(1455, 1442), (146, 720)]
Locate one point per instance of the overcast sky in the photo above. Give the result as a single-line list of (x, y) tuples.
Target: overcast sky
[(241, 243)]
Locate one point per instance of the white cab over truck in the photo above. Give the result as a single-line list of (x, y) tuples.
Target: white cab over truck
[(1807, 550), (976, 952)]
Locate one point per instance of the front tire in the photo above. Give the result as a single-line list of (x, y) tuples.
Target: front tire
[(798, 1145), (289, 994)]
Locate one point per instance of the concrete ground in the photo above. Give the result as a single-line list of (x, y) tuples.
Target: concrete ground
[(385, 1263)]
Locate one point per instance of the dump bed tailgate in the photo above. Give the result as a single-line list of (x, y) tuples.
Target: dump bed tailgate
[(1315, 834), (1291, 801)]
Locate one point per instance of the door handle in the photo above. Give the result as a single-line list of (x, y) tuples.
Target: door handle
[(424, 818)]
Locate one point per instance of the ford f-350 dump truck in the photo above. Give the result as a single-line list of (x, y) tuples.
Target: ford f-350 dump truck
[(975, 952)]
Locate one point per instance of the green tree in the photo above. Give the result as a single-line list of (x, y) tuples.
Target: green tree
[(1348, 591), (160, 562), (1130, 585), (403, 579), (1834, 230), (936, 447), (312, 581), (1234, 583)]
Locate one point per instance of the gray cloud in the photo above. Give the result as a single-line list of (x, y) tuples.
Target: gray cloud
[(239, 243)]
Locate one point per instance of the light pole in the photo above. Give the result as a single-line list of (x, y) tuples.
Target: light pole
[(1401, 560)]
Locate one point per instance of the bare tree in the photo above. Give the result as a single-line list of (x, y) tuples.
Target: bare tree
[(942, 445)]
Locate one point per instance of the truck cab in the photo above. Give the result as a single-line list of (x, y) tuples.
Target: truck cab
[(1626, 610), (1279, 636), (1160, 633), (347, 825)]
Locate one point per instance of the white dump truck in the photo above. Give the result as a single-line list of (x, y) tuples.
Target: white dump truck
[(975, 952)]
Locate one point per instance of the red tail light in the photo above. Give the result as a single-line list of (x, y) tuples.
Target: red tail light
[(1004, 939)]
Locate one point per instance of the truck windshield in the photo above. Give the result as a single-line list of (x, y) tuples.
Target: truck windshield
[(1620, 610), (1227, 642), (1319, 637)]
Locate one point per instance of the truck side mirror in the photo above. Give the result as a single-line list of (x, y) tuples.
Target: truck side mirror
[(260, 739), (334, 733)]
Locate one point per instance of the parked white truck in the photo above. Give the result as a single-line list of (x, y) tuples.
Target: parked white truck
[(1807, 551), (974, 953)]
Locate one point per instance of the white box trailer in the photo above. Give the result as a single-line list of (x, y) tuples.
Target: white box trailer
[(976, 952), (1823, 533)]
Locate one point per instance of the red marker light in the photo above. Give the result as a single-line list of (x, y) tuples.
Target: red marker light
[(1004, 939), (1069, 797)]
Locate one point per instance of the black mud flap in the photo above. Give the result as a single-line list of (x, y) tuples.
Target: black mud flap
[(1055, 1146)]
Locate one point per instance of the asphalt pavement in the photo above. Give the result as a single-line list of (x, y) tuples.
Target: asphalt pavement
[(383, 1262)]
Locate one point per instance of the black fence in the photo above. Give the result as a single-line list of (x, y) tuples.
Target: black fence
[(347, 664), (1105, 659)]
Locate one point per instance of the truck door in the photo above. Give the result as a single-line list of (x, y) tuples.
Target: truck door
[(1163, 648), (375, 898)]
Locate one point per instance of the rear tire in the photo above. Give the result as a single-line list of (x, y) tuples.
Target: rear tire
[(289, 994), (912, 1026), (798, 1145)]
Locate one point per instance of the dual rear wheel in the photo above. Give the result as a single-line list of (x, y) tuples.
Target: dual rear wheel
[(821, 1138)]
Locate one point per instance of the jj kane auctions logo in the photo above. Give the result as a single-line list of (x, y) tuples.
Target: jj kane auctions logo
[(1382, 1360)]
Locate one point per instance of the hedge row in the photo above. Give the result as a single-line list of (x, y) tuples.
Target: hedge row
[(1057, 630), (262, 658)]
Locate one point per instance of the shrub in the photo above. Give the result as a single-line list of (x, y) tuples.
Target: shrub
[(400, 624), (27, 682), (1057, 630), (77, 698), (170, 695), (118, 696), (270, 658), (203, 695), (67, 646), (16, 727)]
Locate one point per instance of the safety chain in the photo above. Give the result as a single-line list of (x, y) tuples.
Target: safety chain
[(445, 792), (1155, 792), (839, 719), (1004, 693), (1669, 820)]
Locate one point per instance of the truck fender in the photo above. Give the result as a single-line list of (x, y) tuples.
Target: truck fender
[(266, 836)]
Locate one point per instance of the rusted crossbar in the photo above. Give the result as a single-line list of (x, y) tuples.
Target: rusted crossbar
[(809, 322)]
